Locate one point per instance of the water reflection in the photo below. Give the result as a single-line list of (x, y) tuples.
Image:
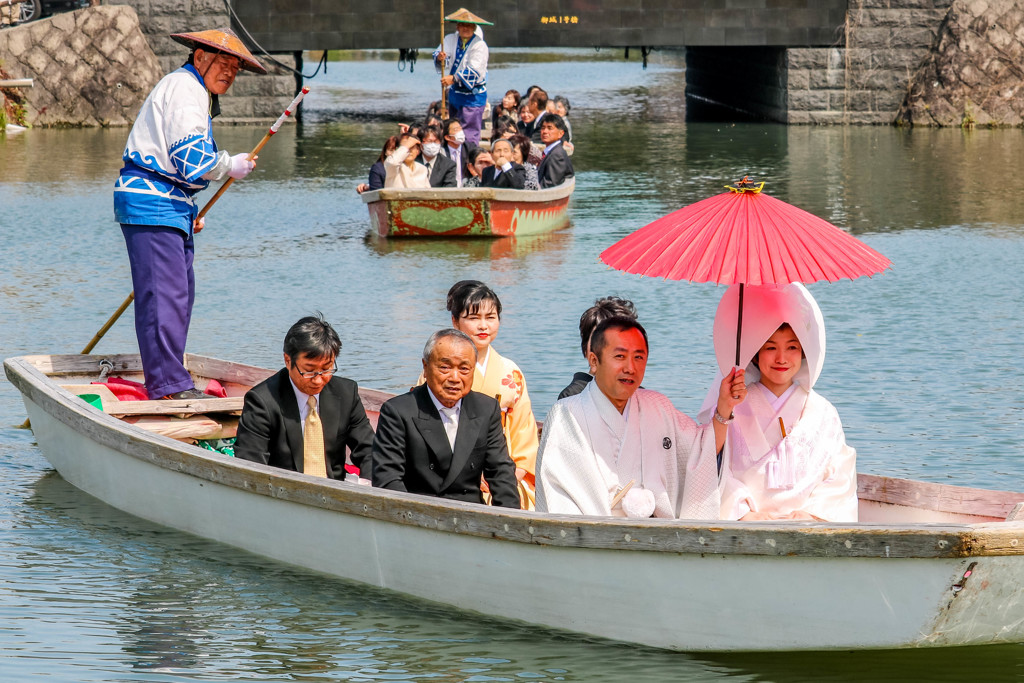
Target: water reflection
[(478, 249)]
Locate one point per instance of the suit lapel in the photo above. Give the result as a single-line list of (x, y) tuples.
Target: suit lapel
[(465, 439), (292, 423), (429, 424)]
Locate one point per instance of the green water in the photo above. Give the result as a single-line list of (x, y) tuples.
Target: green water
[(923, 361)]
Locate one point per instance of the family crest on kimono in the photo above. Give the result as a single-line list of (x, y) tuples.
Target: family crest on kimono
[(617, 450), (461, 59), (476, 311), (786, 455)]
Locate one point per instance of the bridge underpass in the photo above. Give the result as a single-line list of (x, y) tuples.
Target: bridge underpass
[(737, 48)]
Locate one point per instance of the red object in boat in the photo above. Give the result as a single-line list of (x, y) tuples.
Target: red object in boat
[(744, 237)]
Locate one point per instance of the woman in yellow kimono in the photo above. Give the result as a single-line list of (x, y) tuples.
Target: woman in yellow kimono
[(476, 310)]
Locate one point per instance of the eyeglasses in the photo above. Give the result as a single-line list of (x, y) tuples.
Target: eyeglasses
[(314, 375)]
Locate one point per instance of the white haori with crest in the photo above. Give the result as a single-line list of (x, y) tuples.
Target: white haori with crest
[(590, 451)]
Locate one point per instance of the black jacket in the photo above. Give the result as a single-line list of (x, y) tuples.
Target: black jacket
[(270, 432), (411, 451)]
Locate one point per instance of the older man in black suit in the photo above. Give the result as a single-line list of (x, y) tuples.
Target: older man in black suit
[(438, 439), (505, 173), (304, 417), (555, 167)]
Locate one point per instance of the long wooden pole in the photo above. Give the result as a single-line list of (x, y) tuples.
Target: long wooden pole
[(131, 297), (444, 88), (256, 150)]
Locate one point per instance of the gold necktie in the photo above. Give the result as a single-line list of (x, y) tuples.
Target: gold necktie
[(313, 443)]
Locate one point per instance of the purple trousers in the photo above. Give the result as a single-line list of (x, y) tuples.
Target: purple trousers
[(161, 261), (472, 121)]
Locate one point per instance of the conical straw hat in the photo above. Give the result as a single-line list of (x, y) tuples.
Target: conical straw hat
[(464, 16), (223, 40)]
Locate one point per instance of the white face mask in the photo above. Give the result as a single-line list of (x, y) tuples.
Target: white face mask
[(431, 149), (460, 137)]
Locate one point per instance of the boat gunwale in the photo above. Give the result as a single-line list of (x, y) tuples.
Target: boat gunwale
[(458, 194), (803, 539)]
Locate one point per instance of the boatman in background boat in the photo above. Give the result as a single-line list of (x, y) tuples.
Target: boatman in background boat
[(616, 450), (304, 417), (170, 156), (462, 60)]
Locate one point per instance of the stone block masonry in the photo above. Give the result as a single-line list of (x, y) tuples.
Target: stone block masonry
[(866, 75), (253, 98), (975, 74), (92, 67)]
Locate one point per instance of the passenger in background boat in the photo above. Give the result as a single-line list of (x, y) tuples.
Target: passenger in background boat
[(461, 58), (377, 172), (305, 416), (526, 117), (170, 156), (457, 149), (521, 147), (419, 451), (505, 129), (555, 167), (479, 159), (505, 173), (509, 107), (786, 456), (401, 167), (603, 309), (562, 109), (476, 311), (440, 169), (538, 105), (618, 450)]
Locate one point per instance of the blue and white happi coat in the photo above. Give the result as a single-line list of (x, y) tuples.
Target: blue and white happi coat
[(469, 66), (170, 155)]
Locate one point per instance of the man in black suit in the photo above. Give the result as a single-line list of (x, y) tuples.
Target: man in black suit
[(440, 168), (555, 167), (505, 173), (456, 148), (303, 417), (440, 437)]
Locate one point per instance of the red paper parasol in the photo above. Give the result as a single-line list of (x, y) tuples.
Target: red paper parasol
[(744, 237)]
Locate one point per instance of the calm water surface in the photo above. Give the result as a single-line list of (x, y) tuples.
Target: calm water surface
[(923, 362)]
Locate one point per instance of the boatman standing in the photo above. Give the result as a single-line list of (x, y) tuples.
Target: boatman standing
[(462, 60), (170, 156)]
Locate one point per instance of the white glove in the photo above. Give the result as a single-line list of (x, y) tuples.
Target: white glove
[(241, 166)]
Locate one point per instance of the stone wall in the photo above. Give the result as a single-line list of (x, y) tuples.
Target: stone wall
[(252, 98), (975, 75), (92, 67), (865, 77)]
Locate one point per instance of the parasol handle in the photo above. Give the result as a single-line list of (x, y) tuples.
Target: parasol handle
[(739, 326)]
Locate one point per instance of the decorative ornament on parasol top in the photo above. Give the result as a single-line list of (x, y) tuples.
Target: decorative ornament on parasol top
[(744, 237)]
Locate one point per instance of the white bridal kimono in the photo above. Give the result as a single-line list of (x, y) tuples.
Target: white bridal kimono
[(811, 469), (589, 452)]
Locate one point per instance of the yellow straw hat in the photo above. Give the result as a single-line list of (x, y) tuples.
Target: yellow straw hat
[(464, 16), (223, 40)]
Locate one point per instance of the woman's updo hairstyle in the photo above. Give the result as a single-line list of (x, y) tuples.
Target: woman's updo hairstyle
[(466, 296)]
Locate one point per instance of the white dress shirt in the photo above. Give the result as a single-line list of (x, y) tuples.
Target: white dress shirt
[(449, 417)]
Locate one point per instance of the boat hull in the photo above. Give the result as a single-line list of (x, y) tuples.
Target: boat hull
[(470, 212), (757, 587)]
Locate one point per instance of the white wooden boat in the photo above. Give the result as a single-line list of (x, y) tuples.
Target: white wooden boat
[(930, 565)]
